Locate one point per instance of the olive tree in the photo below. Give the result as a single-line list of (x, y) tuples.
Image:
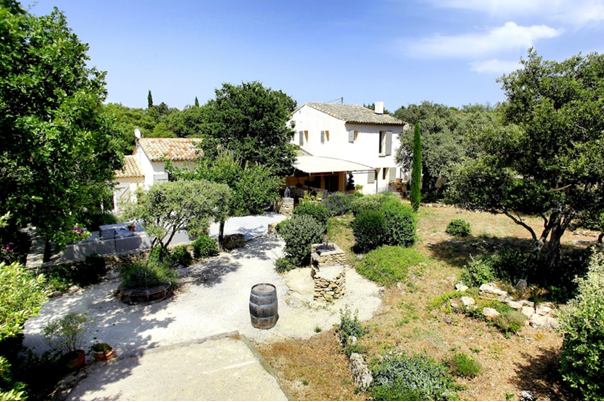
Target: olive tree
[(547, 159)]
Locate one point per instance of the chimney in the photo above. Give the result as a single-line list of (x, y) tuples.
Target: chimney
[(379, 107)]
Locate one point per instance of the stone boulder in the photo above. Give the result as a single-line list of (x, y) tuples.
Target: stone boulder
[(467, 301), (541, 321), (515, 305), (490, 313), (360, 373), (528, 311), (460, 287)]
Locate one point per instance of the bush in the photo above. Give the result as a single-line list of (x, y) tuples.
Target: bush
[(350, 326), (89, 271), (284, 264), (369, 228), (365, 203), (478, 272), (463, 365), (68, 333), (458, 228), (510, 321), (582, 327), (159, 255), (402, 377), (338, 204), (181, 256), (400, 223), (59, 278), (204, 246), (316, 210), (146, 275), (388, 264), (299, 233)]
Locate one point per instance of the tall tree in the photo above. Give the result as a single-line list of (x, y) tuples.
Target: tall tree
[(196, 102), (253, 188), (57, 145), (149, 100), (416, 173), (252, 121), (548, 159)]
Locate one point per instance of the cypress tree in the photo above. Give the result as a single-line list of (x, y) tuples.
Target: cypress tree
[(416, 174), (196, 102), (149, 100)]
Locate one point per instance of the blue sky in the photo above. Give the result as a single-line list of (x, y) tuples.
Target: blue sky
[(396, 51)]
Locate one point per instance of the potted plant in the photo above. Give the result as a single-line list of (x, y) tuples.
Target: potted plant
[(102, 351), (67, 336), (132, 227), (350, 186), (359, 188)]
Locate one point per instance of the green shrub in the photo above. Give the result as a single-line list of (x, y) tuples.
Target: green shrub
[(350, 326), (400, 223), (512, 265), (279, 226), (582, 327), (388, 264), (338, 204), (159, 255), (369, 228), (181, 256), (299, 233), (284, 264), (411, 378), (458, 228), (204, 246), (510, 321), (462, 365), (316, 210), (59, 278), (89, 271), (68, 333), (365, 203), (146, 275), (478, 272)]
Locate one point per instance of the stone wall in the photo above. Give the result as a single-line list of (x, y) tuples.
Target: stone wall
[(233, 241), (287, 206), (330, 282), (327, 254)]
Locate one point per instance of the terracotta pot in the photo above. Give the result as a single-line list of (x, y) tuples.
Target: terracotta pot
[(103, 356), (75, 359)]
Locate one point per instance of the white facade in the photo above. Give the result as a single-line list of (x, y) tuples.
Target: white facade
[(322, 134)]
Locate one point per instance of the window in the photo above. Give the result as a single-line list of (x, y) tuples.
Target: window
[(324, 136), (384, 172), (385, 148), (300, 137)]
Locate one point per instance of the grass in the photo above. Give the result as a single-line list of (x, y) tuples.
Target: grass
[(413, 319)]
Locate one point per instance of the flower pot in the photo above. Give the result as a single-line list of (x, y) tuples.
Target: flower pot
[(74, 359), (104, 355)]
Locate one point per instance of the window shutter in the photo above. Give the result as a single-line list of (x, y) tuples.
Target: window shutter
[(389, 143), (392, 174), (350, 135), (301, 139), (371, 177), (322, 137)]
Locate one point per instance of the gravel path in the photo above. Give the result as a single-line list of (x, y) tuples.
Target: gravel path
[(213, 299)]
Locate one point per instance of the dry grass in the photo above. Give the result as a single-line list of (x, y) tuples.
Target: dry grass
[(528, 361)]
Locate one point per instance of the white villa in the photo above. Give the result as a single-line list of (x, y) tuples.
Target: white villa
[(340, 139), (145, 166)]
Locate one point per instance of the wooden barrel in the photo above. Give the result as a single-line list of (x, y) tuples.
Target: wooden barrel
[(264, 306)]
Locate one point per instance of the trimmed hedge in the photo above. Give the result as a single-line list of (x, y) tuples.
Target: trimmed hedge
[(458, 228), (400, 223), (181, 256), (369, 229)]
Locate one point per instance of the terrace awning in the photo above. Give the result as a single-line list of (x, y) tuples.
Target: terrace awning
[(320, 164)]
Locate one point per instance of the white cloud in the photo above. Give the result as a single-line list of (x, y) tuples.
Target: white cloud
[(508, 37), (495, 66)]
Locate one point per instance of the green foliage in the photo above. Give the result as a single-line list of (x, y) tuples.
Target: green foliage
[(299, 233), (127, 120), (438, 301), (284, 264), (149, 100), (458, 228), (510, 321), (204, 246), (68, 333), (365, 203), (101, 347), (582, 326), (146, 275), (400, 223), (181, 256), (416, 173), (545, 159), (251, 120), (462, 365), (339, 204), (388, 264), (10, 390), (89, 271), (168, 207), (350, 326), (22, 298), (58, 147), (410, 378), (317, 210), (478, 272), (369, 230)]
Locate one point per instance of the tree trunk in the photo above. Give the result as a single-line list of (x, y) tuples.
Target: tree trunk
[(221, 236)]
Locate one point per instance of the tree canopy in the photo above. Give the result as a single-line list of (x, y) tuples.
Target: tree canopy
[(547, 159), (57, 144), (251, 120)]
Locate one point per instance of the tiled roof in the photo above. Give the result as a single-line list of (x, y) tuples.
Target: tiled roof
[(173, 149), (355, 114), (131, 168)]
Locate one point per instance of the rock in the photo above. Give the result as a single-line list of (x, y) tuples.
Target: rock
[(54, 294), (454, 305), (461, 287), (490, 313), (553, 323), (528, 311), (488, 288), (527, 396), (521, 285), (360, 373), (542, 309), (352, 341), (515, 305), (527, 303), (540, 321), (447, 320), (467, 301)]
